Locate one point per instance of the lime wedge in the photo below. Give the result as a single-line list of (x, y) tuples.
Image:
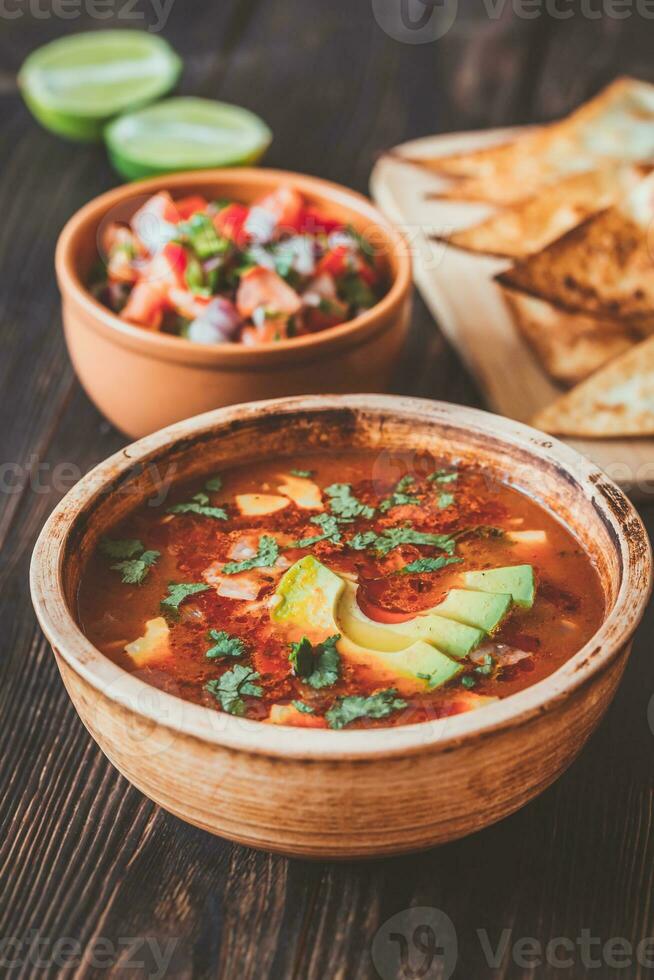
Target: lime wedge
[(76, 84), (184, 134)]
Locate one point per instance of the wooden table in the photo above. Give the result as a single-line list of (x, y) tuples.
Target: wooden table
[(87, 864)]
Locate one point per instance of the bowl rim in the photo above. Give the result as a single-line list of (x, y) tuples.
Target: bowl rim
[(173, 347), (217, 728)]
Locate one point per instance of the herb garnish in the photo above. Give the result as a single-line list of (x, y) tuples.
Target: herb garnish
[(443, 476), (445, 500), (487, 666), (399, 496), (468, 682), (306, 709), (178, 591), (305, 474), (350, 708), (214, 484), (136, 561), (330, 531), (199, 505), (232, 686), (393, 537), (318, 666), (203, 236), (266, 556), (345, 504), (225, 645), (421, 565)]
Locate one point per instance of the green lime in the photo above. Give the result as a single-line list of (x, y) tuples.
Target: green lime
[(184, 134), (76, 84)]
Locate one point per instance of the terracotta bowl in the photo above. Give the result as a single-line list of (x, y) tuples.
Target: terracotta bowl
[(142, 380), (344, 793)]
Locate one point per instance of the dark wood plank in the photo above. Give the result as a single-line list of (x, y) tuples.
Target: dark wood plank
[(84, 855)]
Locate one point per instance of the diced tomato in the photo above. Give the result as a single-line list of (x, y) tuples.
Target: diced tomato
[(187, 304), (287, 207), (145, 305), (160, 206), (336, 262), (230, 221), (263, 287), (188, 206), (169, 266), (312, 222)]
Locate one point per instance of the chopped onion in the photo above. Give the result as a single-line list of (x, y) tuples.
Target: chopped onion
[(217, 324)]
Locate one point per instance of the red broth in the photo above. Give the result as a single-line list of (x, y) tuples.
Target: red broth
[(484, 525)]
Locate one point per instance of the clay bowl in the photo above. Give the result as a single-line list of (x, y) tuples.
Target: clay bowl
[(344, 793), (143, 380)]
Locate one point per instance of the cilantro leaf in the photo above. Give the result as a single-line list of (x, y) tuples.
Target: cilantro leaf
[(306, 474), (306, 709), (178, 591), (399, 495), (135, 570), (199, 505), (393, 537), (232, 686), (214, 484), (203, 237), (352, 707), (319, 666), (225, 645), (363, 540), (330, 530), (443, 476), (266, 556), (421, 565), (445, 500), (127, 548), (487, 666), (345, 504), (467, 681)]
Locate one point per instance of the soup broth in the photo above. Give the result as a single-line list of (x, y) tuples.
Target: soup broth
[(350, 590)]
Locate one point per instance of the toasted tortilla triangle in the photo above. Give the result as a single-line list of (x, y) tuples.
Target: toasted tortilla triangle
[(616, 124), (529, 226), (604, 266), (616, 401)]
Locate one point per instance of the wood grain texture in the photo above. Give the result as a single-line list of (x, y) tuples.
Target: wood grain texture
[(82, 854)]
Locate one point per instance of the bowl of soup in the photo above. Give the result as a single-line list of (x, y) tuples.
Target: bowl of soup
[(342, 626), (197, 290)]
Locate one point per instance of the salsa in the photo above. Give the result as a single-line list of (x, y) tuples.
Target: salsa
[(225, 272), (331, 591)]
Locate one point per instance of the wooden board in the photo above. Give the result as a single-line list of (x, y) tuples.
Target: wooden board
[(459, 289)]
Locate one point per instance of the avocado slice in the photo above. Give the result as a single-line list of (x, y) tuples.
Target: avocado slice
[(308, 595), (454, 639), (484, 610), (515, 580), (420, 663)]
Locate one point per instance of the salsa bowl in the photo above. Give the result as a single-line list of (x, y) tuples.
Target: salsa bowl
[(142, 380), (355, 793)]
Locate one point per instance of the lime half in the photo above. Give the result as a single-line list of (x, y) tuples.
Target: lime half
[(184, 134), (76, 84)]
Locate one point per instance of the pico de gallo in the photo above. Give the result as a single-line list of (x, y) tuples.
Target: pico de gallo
[(220, 271)]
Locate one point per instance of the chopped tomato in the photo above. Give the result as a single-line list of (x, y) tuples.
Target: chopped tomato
[(188, 304), (145, 305), (159, 206), (230, 221), (287, 207), (190, 205), (263, 287), (312, 222), (341, 260), (168, 266)]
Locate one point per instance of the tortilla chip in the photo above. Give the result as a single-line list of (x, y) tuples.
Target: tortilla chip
[(570, 346), (603, 267), (527, 227), (616, 401), (616, 124)]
